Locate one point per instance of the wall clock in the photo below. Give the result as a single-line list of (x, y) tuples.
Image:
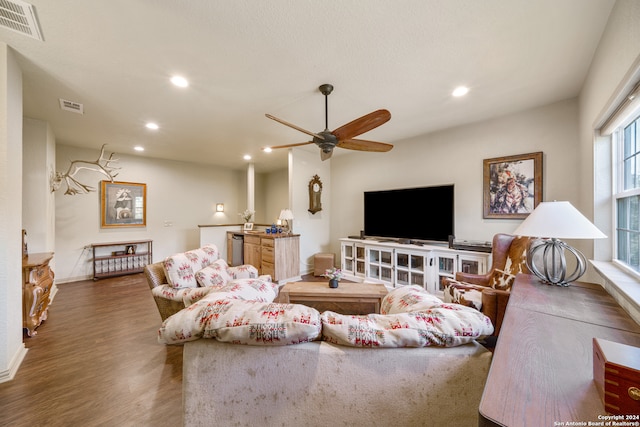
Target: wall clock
[(315, 194)]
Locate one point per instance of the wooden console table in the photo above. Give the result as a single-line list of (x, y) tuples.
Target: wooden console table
[(37, 285), (542, 368), (120, 258)]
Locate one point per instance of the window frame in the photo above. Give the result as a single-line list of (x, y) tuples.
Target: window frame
[(618, 191)]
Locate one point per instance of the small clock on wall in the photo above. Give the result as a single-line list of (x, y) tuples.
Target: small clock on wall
[(315, 194)]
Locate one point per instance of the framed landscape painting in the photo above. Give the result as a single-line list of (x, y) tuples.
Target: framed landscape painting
[(123, 204), (512, 185)]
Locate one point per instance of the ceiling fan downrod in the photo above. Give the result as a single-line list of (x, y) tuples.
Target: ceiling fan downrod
[(326, 90)]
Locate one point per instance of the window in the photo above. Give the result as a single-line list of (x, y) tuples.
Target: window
[(627, 194)]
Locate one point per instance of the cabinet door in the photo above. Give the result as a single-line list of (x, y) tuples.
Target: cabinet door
[(445, 267), (472, 264), (379, 264), (252, 256), (348, 263), (410, 269), (360, 260)]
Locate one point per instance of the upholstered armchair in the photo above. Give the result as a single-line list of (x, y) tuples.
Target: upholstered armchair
[(489, 292)]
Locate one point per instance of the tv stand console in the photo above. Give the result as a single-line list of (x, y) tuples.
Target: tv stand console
[(397, 264)]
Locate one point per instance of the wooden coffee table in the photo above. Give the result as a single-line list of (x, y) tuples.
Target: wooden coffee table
[(347, 298)]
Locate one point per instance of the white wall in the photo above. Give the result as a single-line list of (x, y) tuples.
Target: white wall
[(615, 60), (276, 189), (38, 202), (181, 194), (314, 229), (455, 156), (12, 349)]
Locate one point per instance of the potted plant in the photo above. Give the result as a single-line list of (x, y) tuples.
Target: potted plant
[(334, 275)]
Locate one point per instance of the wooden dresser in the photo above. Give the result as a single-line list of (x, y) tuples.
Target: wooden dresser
[(277, 255), (542, 368), (37, 284)]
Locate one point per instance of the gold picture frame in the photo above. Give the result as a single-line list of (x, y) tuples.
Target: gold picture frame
[(123, 204), (512, 185)]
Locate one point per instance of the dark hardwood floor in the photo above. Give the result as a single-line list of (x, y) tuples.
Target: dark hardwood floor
[(96, 362)]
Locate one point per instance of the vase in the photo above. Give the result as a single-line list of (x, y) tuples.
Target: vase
[(333, 283)]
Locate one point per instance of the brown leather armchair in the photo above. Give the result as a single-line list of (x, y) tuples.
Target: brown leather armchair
[(509, 257)]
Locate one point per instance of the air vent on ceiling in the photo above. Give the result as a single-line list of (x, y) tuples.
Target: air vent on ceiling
[(20, 17), (74, 107)]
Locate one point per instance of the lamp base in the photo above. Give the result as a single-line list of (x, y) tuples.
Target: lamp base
[(546, 259)]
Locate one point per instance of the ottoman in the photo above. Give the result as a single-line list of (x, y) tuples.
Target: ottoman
[(322, 262)]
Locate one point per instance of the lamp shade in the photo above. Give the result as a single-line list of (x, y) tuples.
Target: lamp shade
[(558, 220), (286, 214)]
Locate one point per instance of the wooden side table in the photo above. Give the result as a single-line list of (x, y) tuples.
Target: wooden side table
[(347, 298), (37, 283), (542, 368)]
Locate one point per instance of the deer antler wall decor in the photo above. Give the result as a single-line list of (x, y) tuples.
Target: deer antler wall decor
[(102, 165)]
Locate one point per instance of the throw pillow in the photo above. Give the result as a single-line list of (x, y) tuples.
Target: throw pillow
[(446, 325), (216, 274), (242, 322), (245, 271), (180, 269), (465, 294), (501, 280), (255, 323), (517, 257), (408, 298), (247, 290)]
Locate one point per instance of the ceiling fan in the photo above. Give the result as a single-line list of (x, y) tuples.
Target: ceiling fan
[(343, 136)]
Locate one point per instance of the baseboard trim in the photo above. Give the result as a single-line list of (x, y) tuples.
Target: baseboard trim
[(16, 361)]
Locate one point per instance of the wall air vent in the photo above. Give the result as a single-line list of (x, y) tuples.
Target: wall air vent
[(20, 17), (74, 107)]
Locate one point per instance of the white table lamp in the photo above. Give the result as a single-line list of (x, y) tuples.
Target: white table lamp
[(286, 216), (550, 222)]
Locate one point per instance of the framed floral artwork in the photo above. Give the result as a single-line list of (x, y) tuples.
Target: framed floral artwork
[(123, 204), (512, 185)]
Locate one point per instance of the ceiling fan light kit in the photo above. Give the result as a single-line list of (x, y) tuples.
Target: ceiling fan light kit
[(341, 137)]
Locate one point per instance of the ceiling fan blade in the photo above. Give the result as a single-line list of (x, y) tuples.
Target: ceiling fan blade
[(325, 155), (294, 126), (362, 125), (362, 145), (274, 147)]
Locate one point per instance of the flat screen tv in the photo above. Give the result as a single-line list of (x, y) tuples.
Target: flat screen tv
[(423, 213)]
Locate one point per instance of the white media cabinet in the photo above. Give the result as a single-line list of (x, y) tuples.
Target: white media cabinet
[(397, 264)]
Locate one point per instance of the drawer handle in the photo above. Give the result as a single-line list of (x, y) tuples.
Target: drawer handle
[(634, 393)]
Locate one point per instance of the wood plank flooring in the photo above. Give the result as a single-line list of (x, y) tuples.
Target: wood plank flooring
[(96, 362)]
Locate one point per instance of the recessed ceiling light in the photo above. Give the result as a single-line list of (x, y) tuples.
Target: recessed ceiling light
[(152, 126), (267, 149), (460, 91), (247, 157), (138, 148), (179, 81)]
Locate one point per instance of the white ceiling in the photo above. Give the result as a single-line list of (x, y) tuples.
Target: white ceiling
[(245, 58)]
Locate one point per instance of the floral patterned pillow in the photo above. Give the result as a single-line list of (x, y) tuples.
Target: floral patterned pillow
[(245, 271), (406, 299), (446, 325), (247, 289), (180, 269), (216, 274), (255, 323), (242, 322)]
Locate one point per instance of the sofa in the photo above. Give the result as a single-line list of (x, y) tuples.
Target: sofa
[(320, 384), (250, 361), (183, 278)]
